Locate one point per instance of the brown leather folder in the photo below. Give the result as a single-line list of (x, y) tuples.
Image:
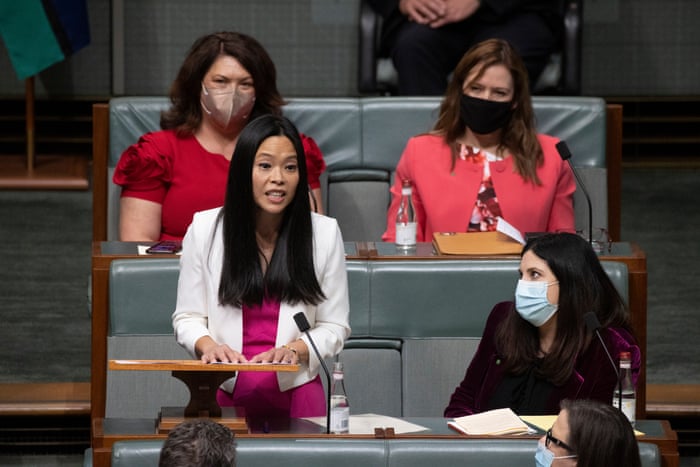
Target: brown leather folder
[(475, 243)]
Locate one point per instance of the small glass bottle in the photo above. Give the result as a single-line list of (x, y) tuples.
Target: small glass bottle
[(629, 397), (340, 407), (406, 219)]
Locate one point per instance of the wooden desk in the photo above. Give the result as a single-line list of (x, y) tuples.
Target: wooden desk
[(108, 431)]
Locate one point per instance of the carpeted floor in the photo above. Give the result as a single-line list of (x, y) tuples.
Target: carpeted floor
[(661, 212), (45, 242)]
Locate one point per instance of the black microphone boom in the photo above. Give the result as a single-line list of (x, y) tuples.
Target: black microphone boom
[(565, 154), (593, 326), (304, 326)]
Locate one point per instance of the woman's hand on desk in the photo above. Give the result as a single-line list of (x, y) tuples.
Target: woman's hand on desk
[(294, 352), (211, 352)]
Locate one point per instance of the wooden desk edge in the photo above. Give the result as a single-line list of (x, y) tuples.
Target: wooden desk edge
[(197, 366)]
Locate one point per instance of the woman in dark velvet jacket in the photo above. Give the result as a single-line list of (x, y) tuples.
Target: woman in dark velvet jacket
[(537, 350)]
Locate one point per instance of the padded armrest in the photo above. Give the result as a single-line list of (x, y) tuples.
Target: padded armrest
[(650, 455), (136, 453)]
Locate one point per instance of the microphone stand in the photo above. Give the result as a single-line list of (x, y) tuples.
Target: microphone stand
[(304, 326), (565, 154), (593, 325)]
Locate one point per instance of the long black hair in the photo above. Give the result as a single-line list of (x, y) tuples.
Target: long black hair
[(290, 275), (583, 286)]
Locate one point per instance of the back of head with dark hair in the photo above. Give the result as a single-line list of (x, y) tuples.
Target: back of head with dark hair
[(185, 114), (600, 435), (199, 443), (242, 279)]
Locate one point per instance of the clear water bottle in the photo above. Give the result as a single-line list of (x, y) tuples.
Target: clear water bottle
[(629, 396), (406, 218), (340, 407)]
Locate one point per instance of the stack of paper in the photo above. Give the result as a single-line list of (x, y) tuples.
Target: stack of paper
[(492, 422)]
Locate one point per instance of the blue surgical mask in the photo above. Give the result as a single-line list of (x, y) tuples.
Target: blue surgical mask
[(531, 301), (544, 457)]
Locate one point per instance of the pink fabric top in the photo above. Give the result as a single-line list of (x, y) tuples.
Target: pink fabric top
[(185, 178), (258, 391), (444, 199)]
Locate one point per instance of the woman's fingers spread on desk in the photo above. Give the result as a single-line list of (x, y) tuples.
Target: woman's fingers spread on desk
[(223, 353), (276, 355)]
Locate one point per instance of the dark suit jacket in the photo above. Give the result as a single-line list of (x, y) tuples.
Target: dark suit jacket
[(490, 11), (593, 376)]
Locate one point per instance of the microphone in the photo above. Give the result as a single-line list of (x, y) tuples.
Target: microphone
[(304, 326), (565, 155), (593, 326)]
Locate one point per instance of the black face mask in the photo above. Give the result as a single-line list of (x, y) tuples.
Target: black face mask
[(483, 116)]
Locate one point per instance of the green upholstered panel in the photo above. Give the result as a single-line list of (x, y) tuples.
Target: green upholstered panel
[(358, 292), (136, 453), (431, 369), (437, 298), (462, 453), (388, 123), (256, 452), (458, 452), (142, 295), (334, 123), (619, 275), (650, 455), (131, 117), (580, 121)]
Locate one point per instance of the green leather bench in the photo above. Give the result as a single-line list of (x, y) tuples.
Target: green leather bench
[(258, 452), (415, 326), (362, 140)]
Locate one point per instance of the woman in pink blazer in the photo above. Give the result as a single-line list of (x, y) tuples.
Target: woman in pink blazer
[(484, 159)]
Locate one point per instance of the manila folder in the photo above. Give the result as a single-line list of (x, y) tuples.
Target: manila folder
[(475, 243)]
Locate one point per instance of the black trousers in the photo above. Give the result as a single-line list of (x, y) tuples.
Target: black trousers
[(424, 57)]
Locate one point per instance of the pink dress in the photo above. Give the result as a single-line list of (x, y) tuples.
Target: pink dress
[(258, 391)]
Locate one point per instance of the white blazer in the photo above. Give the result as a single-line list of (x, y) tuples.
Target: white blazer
[(198, 313)]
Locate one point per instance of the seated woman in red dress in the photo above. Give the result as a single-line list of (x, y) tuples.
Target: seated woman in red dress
[(226, 80)]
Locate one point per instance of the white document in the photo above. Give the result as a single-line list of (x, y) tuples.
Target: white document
[(507, 229), (364, 424)]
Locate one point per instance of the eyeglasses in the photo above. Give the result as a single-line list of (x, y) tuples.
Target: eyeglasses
[(551, 439)]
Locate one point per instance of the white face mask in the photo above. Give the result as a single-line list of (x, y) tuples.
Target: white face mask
[(226, 106)]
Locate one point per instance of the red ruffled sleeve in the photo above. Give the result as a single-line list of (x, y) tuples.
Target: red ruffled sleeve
[(145, 169), (315, 165)]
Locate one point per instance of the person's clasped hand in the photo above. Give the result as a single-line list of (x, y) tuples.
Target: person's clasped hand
[(437, 13), (423, 11)]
